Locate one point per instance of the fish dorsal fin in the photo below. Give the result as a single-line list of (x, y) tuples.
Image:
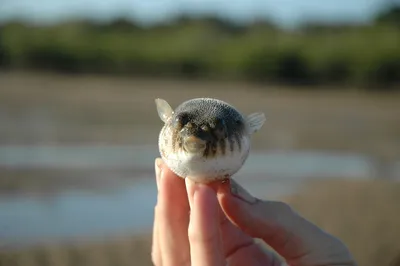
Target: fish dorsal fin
[(164, 110), (255, 121)]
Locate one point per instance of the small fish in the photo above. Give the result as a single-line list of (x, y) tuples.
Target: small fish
[(205, 139)]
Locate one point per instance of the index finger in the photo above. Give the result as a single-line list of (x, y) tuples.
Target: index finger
[(172, 219), (296, 239), (206, 247)]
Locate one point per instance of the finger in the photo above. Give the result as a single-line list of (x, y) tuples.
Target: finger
[(204, 235), (159, 164), (173, 219), (254, 255), (234, 240), (299, 241), (155, 249)]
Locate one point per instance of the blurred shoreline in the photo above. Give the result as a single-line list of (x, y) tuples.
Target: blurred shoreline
[(83, 117)]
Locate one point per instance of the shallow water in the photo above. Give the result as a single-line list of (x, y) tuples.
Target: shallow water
[(129, 208), (284, 164), (71, 214)]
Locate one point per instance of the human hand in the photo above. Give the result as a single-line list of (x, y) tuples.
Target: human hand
[(191, 228)]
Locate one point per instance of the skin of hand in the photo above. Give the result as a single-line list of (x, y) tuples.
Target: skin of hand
[(215, 225)]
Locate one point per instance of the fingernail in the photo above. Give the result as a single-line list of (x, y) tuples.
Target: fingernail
[(239, 192), (158, 168), (190, 188)]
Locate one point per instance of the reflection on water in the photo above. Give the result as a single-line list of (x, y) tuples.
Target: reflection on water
[(284, 164), (72, 214), (129, 209)]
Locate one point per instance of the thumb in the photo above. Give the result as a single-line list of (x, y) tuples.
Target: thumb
[(297, 240)]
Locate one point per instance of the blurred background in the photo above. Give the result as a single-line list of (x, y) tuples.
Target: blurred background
[(79, 127)]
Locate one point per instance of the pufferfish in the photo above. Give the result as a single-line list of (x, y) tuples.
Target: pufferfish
[(205, 139)]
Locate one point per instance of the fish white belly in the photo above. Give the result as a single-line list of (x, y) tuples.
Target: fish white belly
[(202, 169)]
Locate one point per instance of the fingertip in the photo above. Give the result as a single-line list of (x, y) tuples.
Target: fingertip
[(158, 165), (241, 193), (190, 188), (224, 188), (204, 193), (161, 166), (159, 162), (172, 189), (239, 212), (204, 231), (172, 219), (170, 176), (205, 209), (234, 199), (203, 201), (164, 175)]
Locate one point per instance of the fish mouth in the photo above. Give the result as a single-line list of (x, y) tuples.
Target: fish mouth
[(194, 144)]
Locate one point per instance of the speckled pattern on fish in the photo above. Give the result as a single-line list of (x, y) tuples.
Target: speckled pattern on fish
[(205, 139)]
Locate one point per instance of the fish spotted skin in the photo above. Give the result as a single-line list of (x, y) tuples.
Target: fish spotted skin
[(219, 125)]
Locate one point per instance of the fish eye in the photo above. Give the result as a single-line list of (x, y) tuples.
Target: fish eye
[(182, 119), (204, 128)]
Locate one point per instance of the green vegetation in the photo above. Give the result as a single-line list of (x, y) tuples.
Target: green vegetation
[(367, 56)]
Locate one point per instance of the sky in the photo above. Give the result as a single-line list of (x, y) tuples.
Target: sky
[(284, 12)]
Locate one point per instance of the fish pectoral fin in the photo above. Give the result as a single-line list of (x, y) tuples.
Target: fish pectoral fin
[(164, 110), (255, 121)]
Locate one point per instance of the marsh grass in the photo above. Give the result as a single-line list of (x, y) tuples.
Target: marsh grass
[(115, 252), (365, 215)]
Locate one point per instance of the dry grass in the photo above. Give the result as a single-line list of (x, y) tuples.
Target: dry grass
[(112, 252), (364, 214)]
